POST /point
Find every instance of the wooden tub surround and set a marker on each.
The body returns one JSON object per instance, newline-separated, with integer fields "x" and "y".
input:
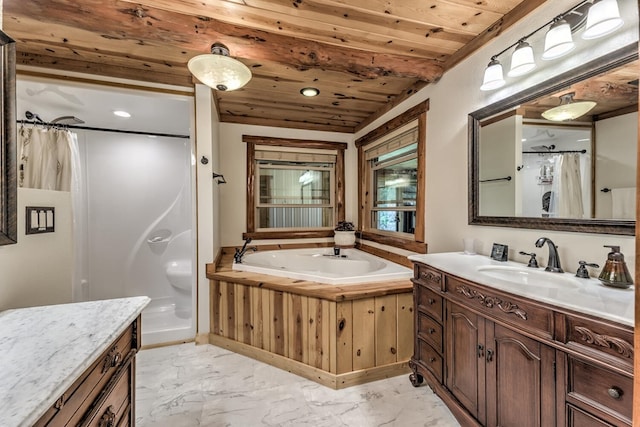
{"x": 338, "y": 336}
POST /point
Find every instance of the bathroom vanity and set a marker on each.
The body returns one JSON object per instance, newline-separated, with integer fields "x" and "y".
{"x": 70, "y": 364}
{"x": 505, "y": 345}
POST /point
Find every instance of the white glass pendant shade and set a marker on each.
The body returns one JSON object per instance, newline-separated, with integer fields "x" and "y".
{"x": 603, "y": 18}
{"x": 218, "y": 70}
{"x": 568, "y": 109}
{"x": 493, "y": 77}
{"x": 522, "y": 60}
{"x": 558, "y": 40}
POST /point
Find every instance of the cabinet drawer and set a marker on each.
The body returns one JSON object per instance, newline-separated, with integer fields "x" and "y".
{"x": 72, "y": 406}
{"x": 576, "y": 417}
{"x": 501, "y": 306}
{"x": 591, "y": 386}
{"x": 601, "y": 340}
{"x": 429, "y": 302}
{"x": 430, "y": 331}
{"x": 430, "y": 358}
{"x": 113, "y": 405}
{"x": 428, "y": 276}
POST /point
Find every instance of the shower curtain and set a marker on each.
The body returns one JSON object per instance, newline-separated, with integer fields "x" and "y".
{"x": 47, "y": 157}
{"x": 566, "y": 192}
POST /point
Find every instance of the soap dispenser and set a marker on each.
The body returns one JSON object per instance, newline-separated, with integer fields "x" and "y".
{"x": 615, "y": 272}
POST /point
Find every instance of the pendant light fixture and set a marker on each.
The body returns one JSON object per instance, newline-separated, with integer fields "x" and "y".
{"x": 568, "y": 109}
{"x": 218, "y": 70}
{"x": 558, "y": 41}
{"x": 603, "y": 18}
{"x": 493, "y": 76}
{"x": 522, "y": 60}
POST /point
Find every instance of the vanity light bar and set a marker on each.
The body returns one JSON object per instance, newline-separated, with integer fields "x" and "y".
{"x": 603, "y": 18}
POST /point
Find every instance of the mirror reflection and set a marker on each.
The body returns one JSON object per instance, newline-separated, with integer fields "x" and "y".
{"x": 570, "y": 154}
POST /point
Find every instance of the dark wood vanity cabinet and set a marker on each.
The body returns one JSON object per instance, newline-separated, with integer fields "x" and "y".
{"x": 497, "y": 359}
{"x": 499, "y": 376}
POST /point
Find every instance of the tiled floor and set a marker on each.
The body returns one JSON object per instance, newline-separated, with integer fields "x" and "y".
{"x": 189, "y": 385}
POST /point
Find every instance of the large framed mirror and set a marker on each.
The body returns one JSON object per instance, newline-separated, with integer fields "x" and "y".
{"x": 571, "y": 168}
{"x": 8, "y": 156}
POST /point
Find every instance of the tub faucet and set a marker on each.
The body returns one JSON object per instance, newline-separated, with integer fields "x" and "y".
{"x": 553, "y": 265}
{"x": 237, "y": 257}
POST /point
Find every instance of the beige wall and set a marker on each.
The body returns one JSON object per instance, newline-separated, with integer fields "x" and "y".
{"x": 452, "y": 99}
{"x": 37, "y": 270}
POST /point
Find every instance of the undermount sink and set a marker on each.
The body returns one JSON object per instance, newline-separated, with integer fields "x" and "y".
{"x": 529, "y": 276}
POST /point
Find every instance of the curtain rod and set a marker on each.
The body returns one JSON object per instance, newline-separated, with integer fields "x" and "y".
{"x": 134, "y": 132}
{"x": 555, "y": 152}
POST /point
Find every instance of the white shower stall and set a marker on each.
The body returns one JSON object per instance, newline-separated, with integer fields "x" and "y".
{"x": 135, "y": 234}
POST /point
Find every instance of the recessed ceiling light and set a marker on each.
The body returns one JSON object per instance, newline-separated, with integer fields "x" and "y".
{"x": 121, "y": 113}
{"x": 309, "y": 91}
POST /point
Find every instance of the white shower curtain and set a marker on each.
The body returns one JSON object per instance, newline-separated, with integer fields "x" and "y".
{"x": 46, "y": 158}
{"x": 566, "y": 191}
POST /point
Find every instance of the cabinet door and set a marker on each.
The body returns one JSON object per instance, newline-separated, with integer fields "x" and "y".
{"x": 520, "y": 376}
{"x": 465, "y": 358}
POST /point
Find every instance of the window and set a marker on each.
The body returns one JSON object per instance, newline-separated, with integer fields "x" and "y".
{"x": 391, "y": 192}
{"x": 293, "y": 191}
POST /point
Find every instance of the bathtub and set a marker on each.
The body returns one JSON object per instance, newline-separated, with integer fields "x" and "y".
{"x": 320, "y": 265}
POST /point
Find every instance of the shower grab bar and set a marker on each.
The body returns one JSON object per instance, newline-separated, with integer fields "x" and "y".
{"x": 158, "y": 239}
{"x": 506, "y": 178}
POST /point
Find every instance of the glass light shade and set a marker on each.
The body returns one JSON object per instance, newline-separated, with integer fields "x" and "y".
{"x": 219, "y": 71}
{"x": 493, "y": 77}
{"x": 568, "y": 109}
{"x": 309, "y": 91}
{"x": 603, "y": 18}
{"x": 522, "y": 60}
{"x": 558, "y": 40}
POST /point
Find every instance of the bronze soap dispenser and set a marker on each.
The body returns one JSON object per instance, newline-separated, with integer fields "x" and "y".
{"x": 615, "y": 272}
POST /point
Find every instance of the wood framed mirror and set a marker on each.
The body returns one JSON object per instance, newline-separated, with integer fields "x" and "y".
{"x": 8, "y": 155}
{"x": 527, "y": 171}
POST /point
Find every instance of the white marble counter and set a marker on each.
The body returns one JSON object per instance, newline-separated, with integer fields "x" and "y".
{"x": 43, "y": 350}
{"x": 587, "y": 296}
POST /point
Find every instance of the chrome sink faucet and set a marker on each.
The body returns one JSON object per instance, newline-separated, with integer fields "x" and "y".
{"x": 553, "y": 265}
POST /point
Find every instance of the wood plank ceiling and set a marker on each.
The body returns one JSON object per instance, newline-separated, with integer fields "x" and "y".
{"x": 364, "y": 56}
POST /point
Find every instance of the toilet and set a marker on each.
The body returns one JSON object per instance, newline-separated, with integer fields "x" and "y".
{"x": 179, "y": 275}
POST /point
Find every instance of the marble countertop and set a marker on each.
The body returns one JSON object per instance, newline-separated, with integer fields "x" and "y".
{"x": 43, "y": 350}
{"x": 587, "y": 296}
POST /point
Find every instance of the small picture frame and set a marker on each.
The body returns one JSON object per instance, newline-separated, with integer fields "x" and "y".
{"x": 499, "y": 252}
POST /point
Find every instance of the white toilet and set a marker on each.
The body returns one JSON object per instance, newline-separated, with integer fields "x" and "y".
{"x": 179, "y": 275}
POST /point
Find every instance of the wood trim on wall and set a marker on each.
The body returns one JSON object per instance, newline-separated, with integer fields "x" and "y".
{"x": 294, "y": 143}
{"x": 419, "y": 231}
{"x": 252, "y": 141}
{"x": 416, "y": 244}
{"x": 393, "y": 124}
{"x": 396, "y": 242}
{"x": 251, "y": 197}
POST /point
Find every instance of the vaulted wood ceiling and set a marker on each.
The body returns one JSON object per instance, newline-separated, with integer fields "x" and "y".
{"x": 365, "y": 56}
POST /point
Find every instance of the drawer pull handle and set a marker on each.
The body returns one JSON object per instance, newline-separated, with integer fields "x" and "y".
{"x": 615, "y": 392}
{"x": 432, "y": 359}
{"x": 108, "y": 419}
{"x": 432, "y": 331}
{"x": 111, "y": 360}
{"x": 431, "y": 301}
{"x": 480, "y": 351}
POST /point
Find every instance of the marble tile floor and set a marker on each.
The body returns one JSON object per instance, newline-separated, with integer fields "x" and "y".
{"x": 187, "y": 385}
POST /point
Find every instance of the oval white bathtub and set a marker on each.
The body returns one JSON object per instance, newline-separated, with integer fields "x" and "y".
{"x": 320, "y": 265}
